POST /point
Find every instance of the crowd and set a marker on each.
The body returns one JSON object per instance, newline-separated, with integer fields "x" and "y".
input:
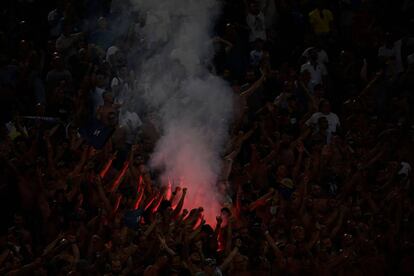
{"x": 317, "y": 171}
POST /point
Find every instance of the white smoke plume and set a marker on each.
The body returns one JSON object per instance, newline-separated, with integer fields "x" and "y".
{"x": 194, "y": 106}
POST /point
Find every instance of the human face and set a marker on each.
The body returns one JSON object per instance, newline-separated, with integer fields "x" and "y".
{"x": 101, "y": 80}
{"x": 195, "y": 258}
{"x": 281, "y": 171}
{"x": 254, "y": 8}
{"x": 108, "y": 98}
{"x": 326, "y": 108}
{"x": 326, "y": 244}
{"x": 298, "y": 233}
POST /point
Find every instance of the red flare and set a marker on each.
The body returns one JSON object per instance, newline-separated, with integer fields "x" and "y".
{"x": 220, "y": 244}
{"x": 139, "y": 183}
{"x": 155, "y": 209}
{"x": 106, "y": 168}
{"x": 117, "y": 203}
{"x": 119, "y": 178}
{"x": 168, "y": 192}
{"x": 140, "y": 195}
{"x": 195, "y": 198}
{"x": 149, "y": 204}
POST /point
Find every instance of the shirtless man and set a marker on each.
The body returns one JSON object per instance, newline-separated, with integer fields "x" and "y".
{"x": 108, "y": 112}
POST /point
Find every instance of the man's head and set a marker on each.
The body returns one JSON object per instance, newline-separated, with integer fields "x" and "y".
{"x": 313, "y": 58}
{"x": 325, "y": 107}
{"x": 288, "y": 86}
{"x": 388, "y": 38}
{"x": 57, "y": 62}
{"x": 108, "y": 98}
{"x": 254, "y": 7}
{"x": 123, "y": 71}
{"x": 116, "y": 266}
{"x": 101, "y": 79}
{"x": 67, "y": 28}
{"x": 210, "y": 265}
{"x": 326, "y": 244}
{"x": 281, "y": 171}
{"x": 292, "y": 102}
{"x": 225, "y": 212}
{"x": 102, "y": 23}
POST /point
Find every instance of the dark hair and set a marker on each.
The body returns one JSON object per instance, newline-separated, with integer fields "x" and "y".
{"x": 322, "y": 102}
{"x": 226, "y": 210}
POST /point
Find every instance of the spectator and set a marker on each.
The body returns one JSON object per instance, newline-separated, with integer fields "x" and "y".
{"x": 58, "y": 73}
{"x": 332, "y": 118}
{"x": 316, "y": 71}
{"x": 256, "y": 22}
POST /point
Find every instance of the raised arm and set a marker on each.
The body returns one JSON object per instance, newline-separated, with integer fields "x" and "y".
{"x": 102, "y": 195}
{"x": 296, "y": 169}
{"x": 262, "y": 200}
{"x": 273, "y": 244}
{"x": 229, "y": 259}
{"x": 120, "y": 177}
{"x": 255, "y": 86}
{"x": 180, "y": 204}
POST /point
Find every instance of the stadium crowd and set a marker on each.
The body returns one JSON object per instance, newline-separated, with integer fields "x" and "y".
{"x": 316, "y": 174}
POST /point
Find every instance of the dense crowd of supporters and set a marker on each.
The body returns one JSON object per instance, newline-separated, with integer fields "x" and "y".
{"x": 316, "y": 174}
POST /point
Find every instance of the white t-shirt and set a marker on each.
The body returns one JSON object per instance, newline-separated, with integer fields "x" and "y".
{"x": 270, "y": 12}
{"x": 257, "y": 28}
{"x": 333, "y": 123}
{"x": 116, "y": 82}
{"x": 316, "y": 74}
{"x": 123, "y": 89}
{"x": 110, "y": 52}
{"x": 322, "y": 55}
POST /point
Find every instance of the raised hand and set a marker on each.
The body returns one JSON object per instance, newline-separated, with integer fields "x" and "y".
{"x": 219, "y": 220}
{"x": 300, "y": 147}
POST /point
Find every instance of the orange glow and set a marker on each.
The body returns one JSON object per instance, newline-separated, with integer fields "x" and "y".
{"x": 168, "y": 192}
{"x": 196, "y": 198}
{"x": 198, "y": 222}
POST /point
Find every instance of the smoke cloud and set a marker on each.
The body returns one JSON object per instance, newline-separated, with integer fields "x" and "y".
{"x": 193, "y": 106}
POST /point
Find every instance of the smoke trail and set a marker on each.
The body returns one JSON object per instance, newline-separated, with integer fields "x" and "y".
{"x": 193, "y": 105}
